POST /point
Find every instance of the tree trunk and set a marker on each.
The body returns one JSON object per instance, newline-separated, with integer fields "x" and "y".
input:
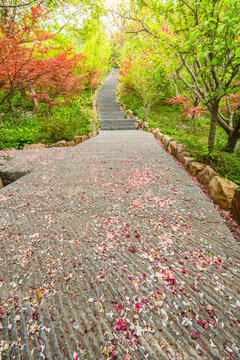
{"x": 23, "y": 93}
{"x": 175, "y": 86}
{"x": 212, "y": 133}
{"x": 10, "y": 110}
{"x": 233, "y": 137}
{"x": 194, "y": 115}
{"x": 35, "y": 99}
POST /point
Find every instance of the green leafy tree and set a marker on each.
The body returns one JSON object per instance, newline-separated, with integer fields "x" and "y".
{"x": 144, "y": 74}
{"x": 201, "y": 43}
{"x": 95, "y": 43}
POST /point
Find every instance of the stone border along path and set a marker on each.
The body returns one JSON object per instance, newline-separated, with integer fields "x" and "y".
{"x": 109, "y": 250}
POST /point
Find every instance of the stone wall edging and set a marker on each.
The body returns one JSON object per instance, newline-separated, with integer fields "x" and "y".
{"x": 223, "y": 192}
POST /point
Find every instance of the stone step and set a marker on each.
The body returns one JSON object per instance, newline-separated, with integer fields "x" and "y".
{"x": 118, "y": 124}
{"x": 114, "y": 115}
{"x": 106, "y": 97}
{"x": 122, "y": 121}
{"x": 118, "y": 128}
{"x": 109, "y": 107}
{"x": 111, "y": 117}
{"x": 110, "y": 91}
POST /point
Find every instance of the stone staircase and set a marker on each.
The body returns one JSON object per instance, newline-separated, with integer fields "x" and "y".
{"x": 111, "y": 117}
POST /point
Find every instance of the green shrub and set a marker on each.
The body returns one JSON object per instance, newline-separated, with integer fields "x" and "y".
{"x": 66, "y": 122}
{"x": 17, "y": 136}
{"x": 22, "y": 102}
{"x": 28, "y": 127}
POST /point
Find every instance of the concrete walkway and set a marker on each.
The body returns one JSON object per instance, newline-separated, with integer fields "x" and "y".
{"x": 110, "y": 251}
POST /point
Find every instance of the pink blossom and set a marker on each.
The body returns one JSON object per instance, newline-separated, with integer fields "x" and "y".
{"x": 139, "y": 305}
{"x": 121, "y": 325}
{"x": 128, "y": 357}
{"x": 195, "y": 335}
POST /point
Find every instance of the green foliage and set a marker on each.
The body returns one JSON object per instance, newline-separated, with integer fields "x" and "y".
{"x": 92, "y": 39}
{"x": 171, "y": 132}
{"x": 31, "y": 127}
{"x": 66, "y": 122}
{"x": 17, "y": 136}
{"x": 143, "y": 74}
{"x": 197, "y": 43}
{"x": 227, "y": 165}
{"x": 73, "y": 42}
{"x": 132, "y": 102}
{"x": 22, "y": 103}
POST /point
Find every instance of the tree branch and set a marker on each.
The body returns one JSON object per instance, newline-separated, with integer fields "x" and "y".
{"x": 17, "y": 6}
{"x": 193, "y": 10}
{"x": 201, "y": 91}
{"x": 222, "y": 122}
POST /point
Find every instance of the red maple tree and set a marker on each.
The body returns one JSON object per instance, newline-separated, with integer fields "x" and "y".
{"x": 27, "y": 62}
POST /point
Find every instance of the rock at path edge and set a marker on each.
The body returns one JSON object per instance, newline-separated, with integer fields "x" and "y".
{"x": 222, "y": 191}
{"x": 195, "y": 167}
{"x": 235, "y": 209}
{"x": 34, "y": 146}
{"x": 205, "y": 176}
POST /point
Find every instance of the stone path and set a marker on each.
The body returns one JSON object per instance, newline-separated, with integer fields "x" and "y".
{"x": 112, "y": 118}
{"x": 109, "y": 250}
